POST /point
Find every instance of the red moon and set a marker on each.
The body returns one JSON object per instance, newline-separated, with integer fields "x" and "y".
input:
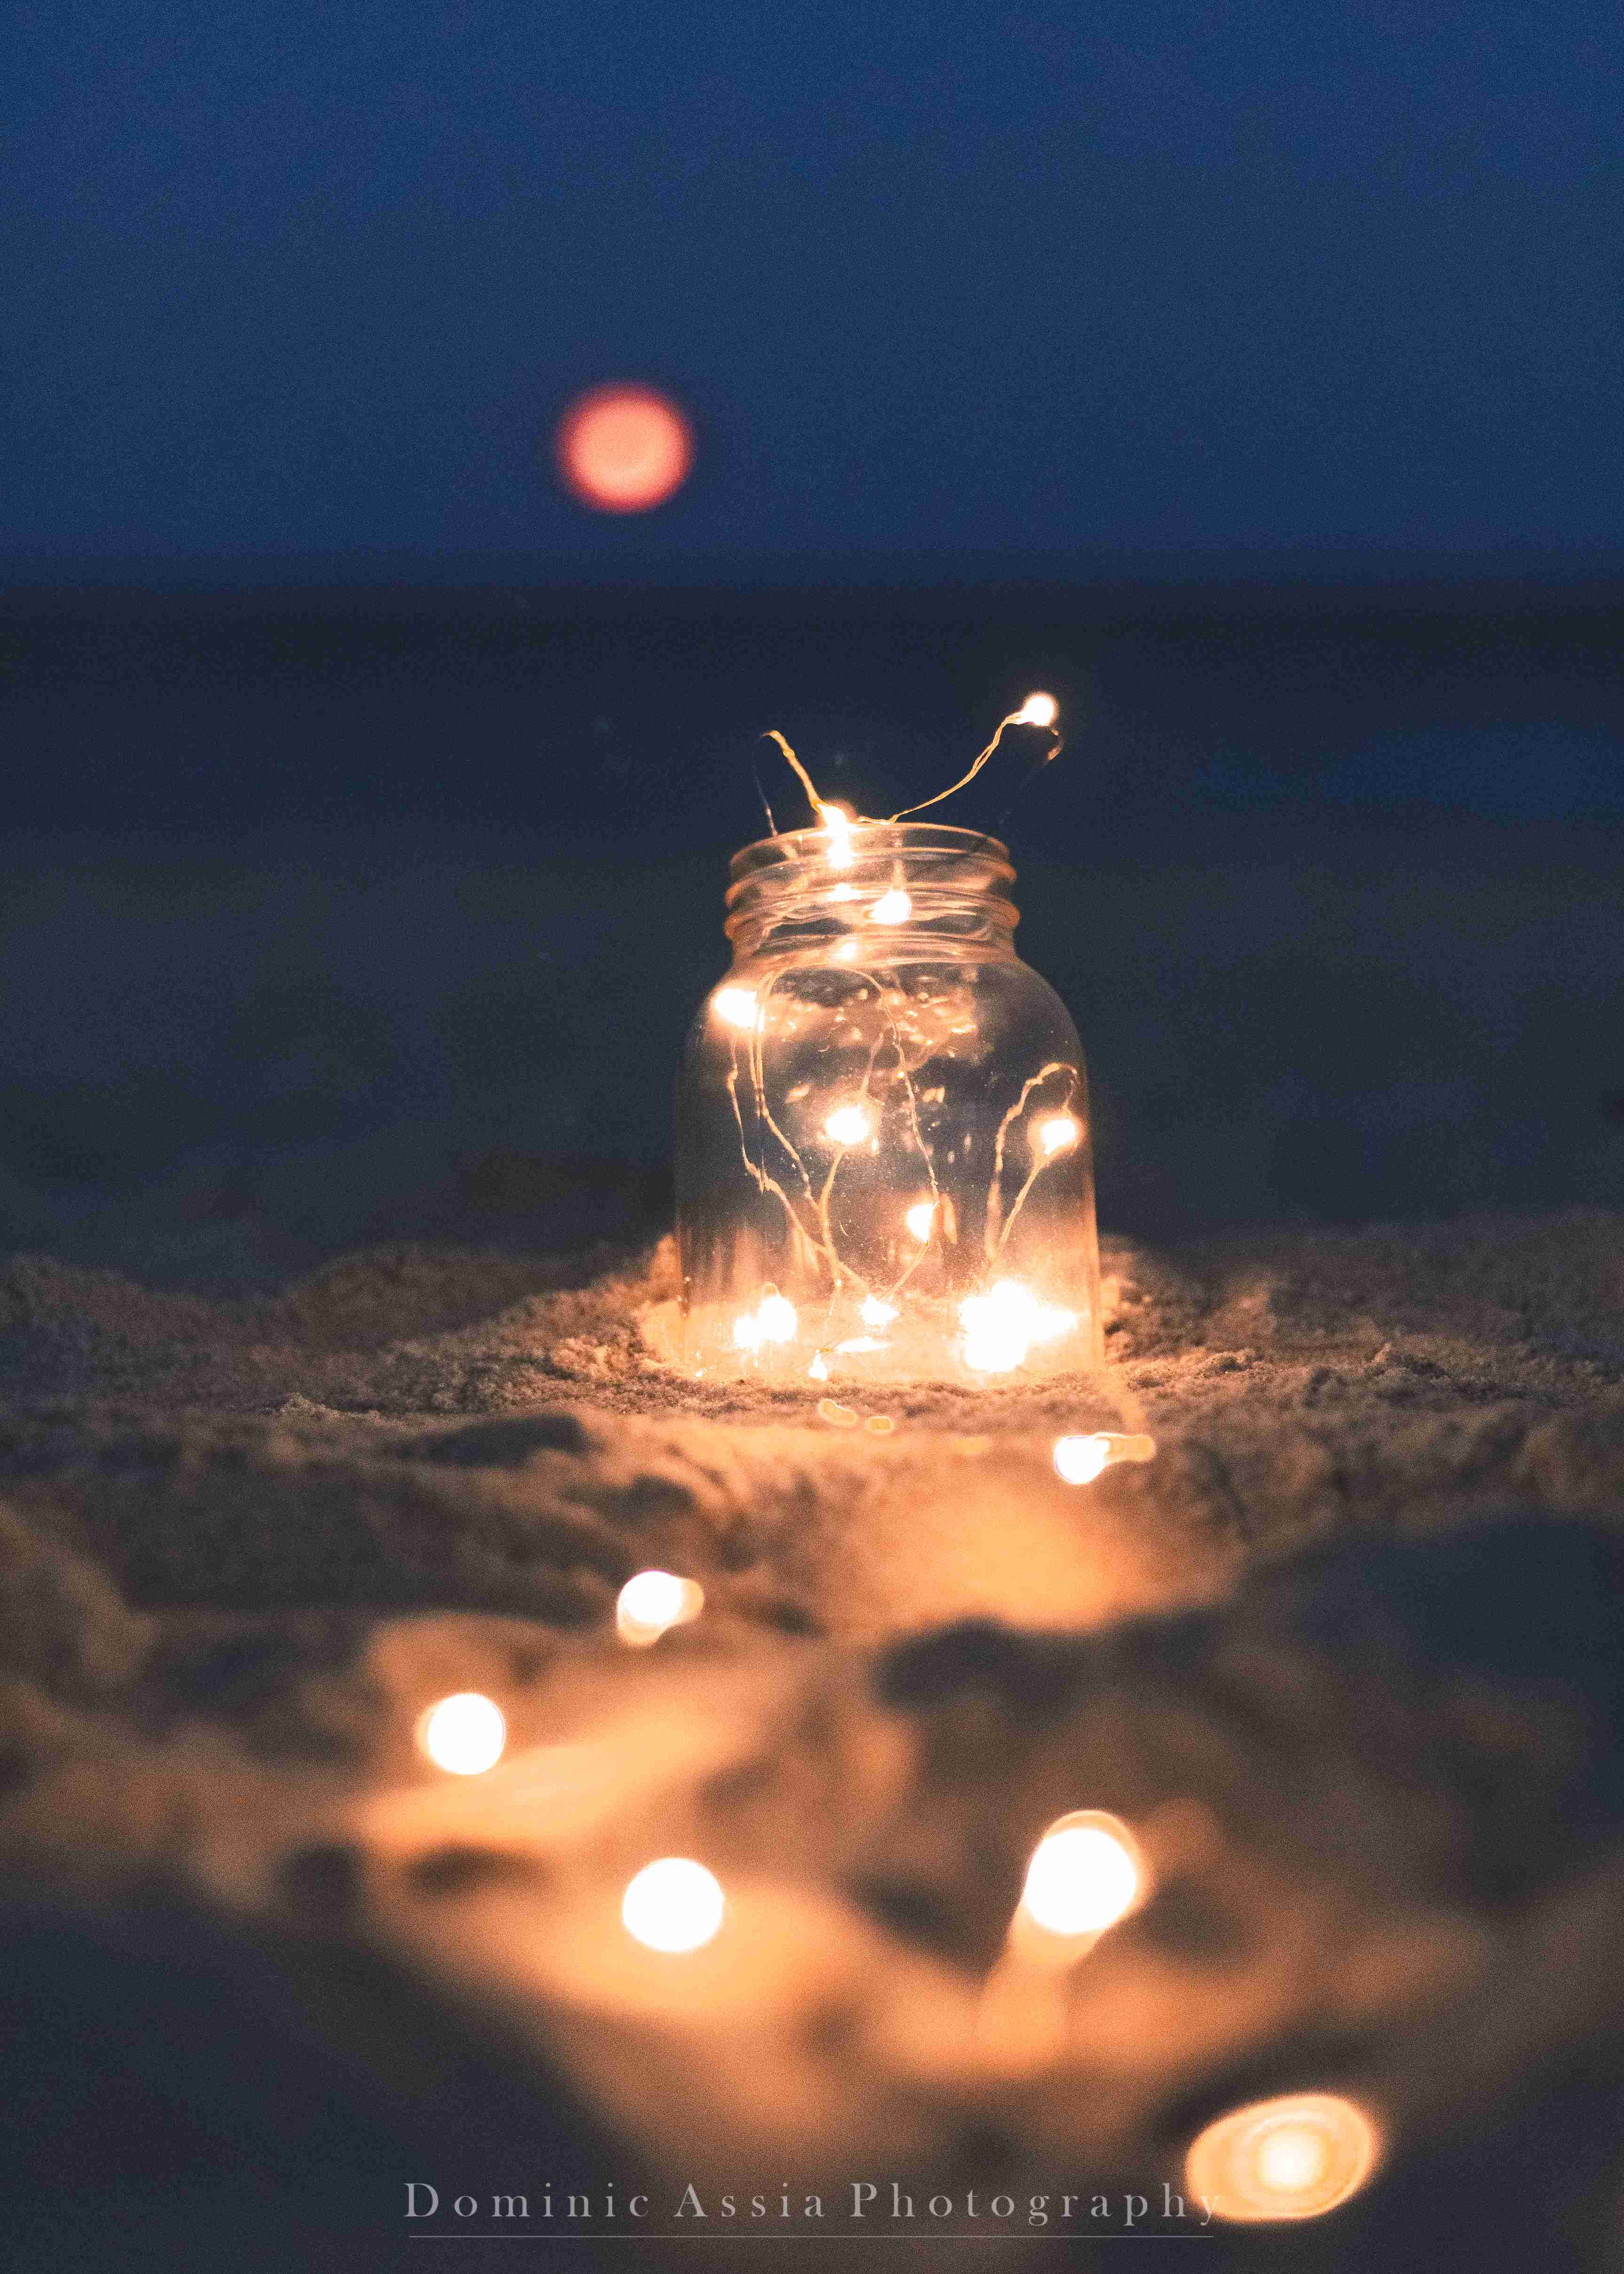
{"x": 623, "y": 448}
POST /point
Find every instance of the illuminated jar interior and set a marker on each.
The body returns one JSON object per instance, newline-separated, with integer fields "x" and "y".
{"x": 884, "y": 1169}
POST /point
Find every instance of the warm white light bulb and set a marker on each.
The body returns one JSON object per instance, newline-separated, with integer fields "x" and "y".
{"x": 920, "y": 1218}
{"x": 893, "y": 908}
{"x": 1037, "y": 711}
{"x": 818, "y": 1370}
{"x": 651, "y": 1603}
{"x": 1001, "y": 1325}
{"x": 747, "y": 1332}
{"x": 674, "y": 1905}
{"x": 838, "y": 821}
{"x": 848, "y": 1124}
{"x": 876, "y": 1312}
{"x": 997, "y": 1328}
{"x": 776, "y": 1318}
{"x": 1294, "y": 2158}
{"x": 1055, "y": 1133}
{"x": 1080, "y": 1460}
{"x": 1083, "y": 1876}
{"x": 735, "y": 1006}
{"x": 464, "y": 1735}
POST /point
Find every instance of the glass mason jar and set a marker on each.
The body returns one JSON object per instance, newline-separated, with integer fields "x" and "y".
{"x": 883, "y": 1167}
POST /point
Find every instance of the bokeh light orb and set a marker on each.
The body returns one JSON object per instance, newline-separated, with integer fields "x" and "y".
{"x": 623, "y": 448}
{"x": 1294, "y": 2158}
{"x": 652, "y": 1603}
{"x": 1080, "y": 1460}
{"x": 1086, "y": 1873}
{"x": 674, "y": 1905}
{"x": 464, "y": 1735}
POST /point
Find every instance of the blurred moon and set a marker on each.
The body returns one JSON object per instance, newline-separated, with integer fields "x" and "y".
{"x": 623, "y": 448}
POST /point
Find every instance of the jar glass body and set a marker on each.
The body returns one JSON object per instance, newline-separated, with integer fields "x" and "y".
{"x": 883, "y": 1166}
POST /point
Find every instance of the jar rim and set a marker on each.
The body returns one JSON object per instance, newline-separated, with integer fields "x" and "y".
{"x": 869, "y": 840}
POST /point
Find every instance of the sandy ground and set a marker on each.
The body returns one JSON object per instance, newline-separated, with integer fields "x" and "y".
{"x": 1345, "y": 1655}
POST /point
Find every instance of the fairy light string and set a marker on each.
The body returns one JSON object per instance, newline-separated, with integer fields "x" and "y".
{"x": 999, "y": 1324}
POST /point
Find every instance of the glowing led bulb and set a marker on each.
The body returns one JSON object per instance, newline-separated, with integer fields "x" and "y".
{"x": 893, "y": 908}
{"x": 843, "y": 892}
{"x": 920, "y": 1218}
{"x": 838, "y": 821}
{"x": 876, "y": 1312}
{"x": 774, "y": 1320}
{"x": 1000, "y": 1326}
{"x": 1294, "y": 2158}
{"x": 1057, "y": 1132}
{"x": 1084, "y": 1875}
{"x": 735, "y": 1006}
{"x": 1080, "y": 1460}
{"x": 651, "y": 1604}
{"x": 848, "y": 1124}
{"x": 1037, "y": 711}
{"x": 818, "y": 1370}
{"x": 674, "y": 1905}
{"x": 776, "y": 1317}
{"x": 464, "y": 1735}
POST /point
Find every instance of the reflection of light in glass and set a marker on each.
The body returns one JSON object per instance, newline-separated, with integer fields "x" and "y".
{"x": 1085, "y": 1874}
{"x": 622, "y": 449}
{"x": 1000, "y": 1326}
{"x": 856, "y": 1343}
{"x": 848, "y": 1124}
{"x": 747, "y": 1331}
{"x": 819, "y": 1367}
{"x": 1037, "y": 711}
{"x": 1080, "y": 1460}
{"x": 1057, "y": 1132}
{"x": 673, "y": 1905}
{"x": 736, "y": 1005}
{"x": 893, "y": 908}
{"x": 651, "y": 1604}
{"x": 876, "y": 1312}
{"x": 843, "y": 892}
{"x": 464, "y": 1734}
{"x": 1294, "y": 2158}
{"x": 920, "y": 1218}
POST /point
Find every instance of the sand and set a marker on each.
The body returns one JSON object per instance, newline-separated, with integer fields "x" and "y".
{"x": 1344, "y": 1654}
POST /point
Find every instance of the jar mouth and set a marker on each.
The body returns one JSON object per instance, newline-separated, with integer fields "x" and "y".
{"x": 887, "y": 879}
{"x": 929, "y": 842}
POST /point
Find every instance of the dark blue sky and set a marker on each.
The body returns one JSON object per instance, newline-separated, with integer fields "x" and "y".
{"x": 935, "y": 280}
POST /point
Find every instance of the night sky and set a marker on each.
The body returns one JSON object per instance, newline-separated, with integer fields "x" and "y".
{"x": 936, "y": 282}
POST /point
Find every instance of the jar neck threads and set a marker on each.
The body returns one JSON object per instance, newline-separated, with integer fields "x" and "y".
{"x": 871, "y": 884}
